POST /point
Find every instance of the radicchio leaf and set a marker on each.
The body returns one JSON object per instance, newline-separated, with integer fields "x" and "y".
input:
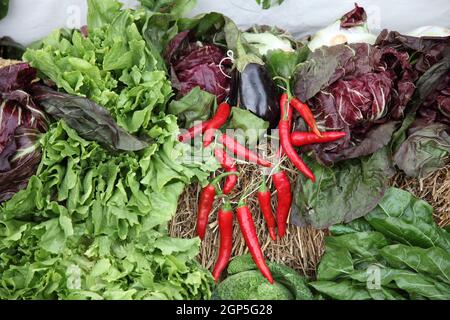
{"x": 195, "y": 64}
{"x": 424, "y": 51}
{"x": 17, "y": 110}
{"x": 21, "y": 123}
{"x": 24, "y": 163}
{"x": 356, "y": 17}
{"x": 355, "y": 88}
{"x": 16, "y": 76}
{"x": 436, "y": 108}
{"x": 433, "y": 104}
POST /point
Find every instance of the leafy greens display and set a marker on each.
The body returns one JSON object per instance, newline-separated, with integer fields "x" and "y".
{"x": 421, "y": 145}
{"x": 395, "y": 252}
{"x": 92, "y": 224}
{"x": 113, "y": 67}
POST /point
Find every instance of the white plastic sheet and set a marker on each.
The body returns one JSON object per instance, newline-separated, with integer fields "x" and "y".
{"x": 30, "y": 20}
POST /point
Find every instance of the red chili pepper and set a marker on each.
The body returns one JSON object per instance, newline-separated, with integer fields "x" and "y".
{"x": 285, "y": 108}
{"x": 285, "y": 139}
{"x": 251, "y": 239}
{"x": 299, "y": 139}
{"x": 206, "y": 202}
{"x": 284, "y": 194}
{"x": 241, "y": 151}
{"x": 219, "y": 119}
{"x": 225, "y": 217}
{"x": 306, "y": 114}
{"x": 229, "y": 165}
{"x": 285, "y": 111}
{"x": 266, "y": 209}
{"x": 191, "y": 133}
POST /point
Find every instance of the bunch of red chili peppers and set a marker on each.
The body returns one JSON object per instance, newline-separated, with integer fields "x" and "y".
{"x": 280, "y": 180}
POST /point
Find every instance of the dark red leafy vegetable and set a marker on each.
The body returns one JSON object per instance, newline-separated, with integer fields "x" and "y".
{"x": 22, "y": 166}
{"x": 193, "y": 64}
{"x": 426, "y": 52}
{"x": 21, "y": 122}
{"x": 16, "y": 77}
{"x": 90, "y": 120}
{"x": 436, "y": 108}
{"x": 356, "y": 17}
{"x": 355, "y": 88}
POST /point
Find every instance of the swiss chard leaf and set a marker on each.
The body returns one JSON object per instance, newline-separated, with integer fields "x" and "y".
{"x": 433, "y": 261}
{"x": 407, "y": 220}
{"x": 398, "y": 261}
{"x": 342, "y": 193}
{"x": 414, "y": 284}
{"x": 335, "y": 263}
{"x": 364, "y": 245}
{"x": 251, "y": 126}
{"x": 283, "y": 64}
{"x": 343, "y": 290}
{"x": 91, "y": 121}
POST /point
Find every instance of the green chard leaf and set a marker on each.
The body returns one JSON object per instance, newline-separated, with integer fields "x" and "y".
{"x": 405, "y": 258}
{"x": 407, "y": 220}
{"x": 246, "y": 124}
{"x": 434, "y": 261}
{"x": 342, "y": 193}
{"x": 343, "y": 290}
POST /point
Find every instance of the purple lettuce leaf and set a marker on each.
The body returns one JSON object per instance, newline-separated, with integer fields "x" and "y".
{"x": 21, "y": 123}
{"x": 355, "y": 88}
{"x": 24, "y": 162}
{"x": 424, "y": 51}
{"x": 356, "y": 17}
{"x": 195, "y": 64}
{"x": 16, "y": 76}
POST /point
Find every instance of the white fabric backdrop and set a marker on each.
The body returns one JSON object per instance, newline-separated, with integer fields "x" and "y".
{"x": 30, "y": 20}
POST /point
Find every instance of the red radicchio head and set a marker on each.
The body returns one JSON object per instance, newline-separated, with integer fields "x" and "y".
{"x": 193, "y": 64}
